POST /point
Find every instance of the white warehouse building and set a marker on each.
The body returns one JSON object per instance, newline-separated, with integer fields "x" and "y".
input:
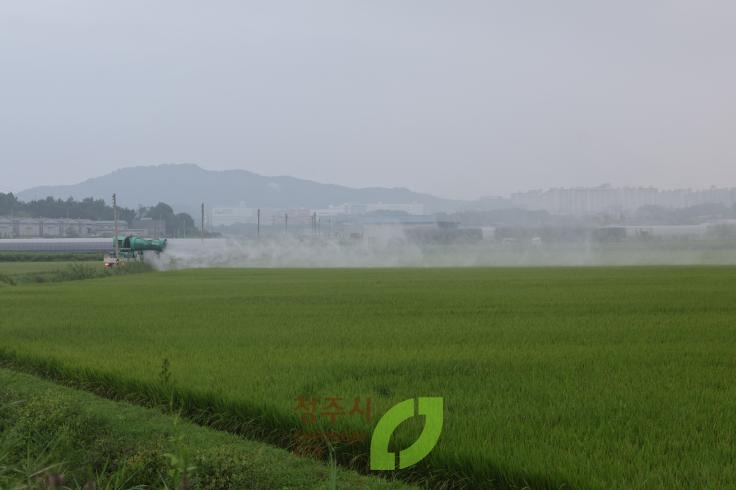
{"x": 49, "y": 227}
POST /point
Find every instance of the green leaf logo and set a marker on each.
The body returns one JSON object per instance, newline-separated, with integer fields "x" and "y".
{"x": 381, "y": 458}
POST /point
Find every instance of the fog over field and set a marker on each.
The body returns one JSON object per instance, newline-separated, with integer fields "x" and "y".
{"x": 395, "y": 250}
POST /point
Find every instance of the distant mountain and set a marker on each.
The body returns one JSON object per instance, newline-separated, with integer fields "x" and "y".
{"x": 185, "y": 186}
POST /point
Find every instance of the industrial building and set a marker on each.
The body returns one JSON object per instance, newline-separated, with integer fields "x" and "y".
{"x": 49, "y": 228}
{"x": 243, "y": 215}
{"x": 68, "y": 245}
{"x": 414, "y": 208}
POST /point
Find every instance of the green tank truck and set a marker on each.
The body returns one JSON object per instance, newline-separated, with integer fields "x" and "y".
{"x": 131, "y": 247}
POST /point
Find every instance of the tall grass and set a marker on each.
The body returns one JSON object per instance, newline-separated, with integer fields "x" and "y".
{"x": 75, "y": 271}
{"x": 52, "y": 438}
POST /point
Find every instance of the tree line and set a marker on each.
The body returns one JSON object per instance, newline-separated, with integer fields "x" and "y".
{"x": 177, "y": 224}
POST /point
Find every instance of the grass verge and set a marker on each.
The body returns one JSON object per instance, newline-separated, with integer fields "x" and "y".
{"x": 52, "y": 436}
{"x": 41, "y": 272}
{"x": 50, "y": 256}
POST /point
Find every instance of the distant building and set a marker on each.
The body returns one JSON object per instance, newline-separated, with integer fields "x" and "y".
{"x": 26, "y": 228}
{"x": 6, "y": 228}
{"x": 52, "y": 228}
{"x": 340, "y": 210}
{"x": 226, "y": 216}
{"x": 299, "y": 216}
{"x": 57, "y": 228}
{"x": 394, "y": 225}
{"x": 243, "y": 215}
{"x": 413, "y": 208}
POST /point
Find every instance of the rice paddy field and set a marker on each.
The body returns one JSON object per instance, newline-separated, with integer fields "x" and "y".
{"x": 599, "y": 377}
{"x": 16, "y": 268}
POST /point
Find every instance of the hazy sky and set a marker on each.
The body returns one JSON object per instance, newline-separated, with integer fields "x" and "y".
{"x": 457, "y": 98}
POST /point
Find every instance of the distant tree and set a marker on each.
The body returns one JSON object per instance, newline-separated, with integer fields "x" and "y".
{"x": 160, "y": 211}
{"x": 700, "y": 212}
{"x": 165, "y": 213}
{"x": 126, "y": 214}
{"x": 180, "y": 224}
{"x": 185, "y": 225}
{"x": 87, "y": 208}
{"x": 8, "y": 204}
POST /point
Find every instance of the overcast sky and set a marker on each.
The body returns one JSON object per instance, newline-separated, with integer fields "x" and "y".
{"x": 457, "y": 98}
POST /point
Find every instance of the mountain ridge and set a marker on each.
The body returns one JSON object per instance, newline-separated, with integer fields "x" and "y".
{"x": 185, "y": 185}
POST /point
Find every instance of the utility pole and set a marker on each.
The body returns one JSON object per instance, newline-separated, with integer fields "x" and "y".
{"x": 202, "y": 229}
{"x": 115, "y": 218}
{"x": 286, "y": 223}
{"x": 258, "y": 221}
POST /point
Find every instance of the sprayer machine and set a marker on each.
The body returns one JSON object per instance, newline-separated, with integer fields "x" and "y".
{"x": 131, "y": 248}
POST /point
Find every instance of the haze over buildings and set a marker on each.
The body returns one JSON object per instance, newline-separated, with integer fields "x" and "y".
{"x": 626, "y": 200}
{"x": 235, "y": 196}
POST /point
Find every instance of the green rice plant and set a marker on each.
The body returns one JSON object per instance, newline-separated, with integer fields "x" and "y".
{"x": 7, "y": 279}
{"x": 79, "y": 271}
{"x": 552, "y": 377}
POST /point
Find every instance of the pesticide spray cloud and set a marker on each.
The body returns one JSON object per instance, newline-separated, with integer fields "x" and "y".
{"x": 393, "y": 249}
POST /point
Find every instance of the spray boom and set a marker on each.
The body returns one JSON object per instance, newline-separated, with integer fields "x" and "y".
{"x": 137, "y": 244}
